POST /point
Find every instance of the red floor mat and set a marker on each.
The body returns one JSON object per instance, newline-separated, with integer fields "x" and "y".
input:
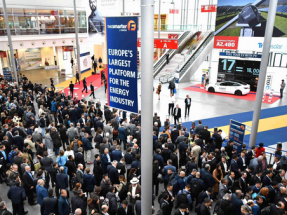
{"x": 96, "y": 79}
{"x": 250, "y": 97}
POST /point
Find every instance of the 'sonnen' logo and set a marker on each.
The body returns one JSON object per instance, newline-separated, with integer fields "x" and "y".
{"x": 132, "y": 25}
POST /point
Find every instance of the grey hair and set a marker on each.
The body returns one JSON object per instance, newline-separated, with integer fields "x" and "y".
{"x": 194, "y": 170}
{"x": 78, "y": 211}
{"x": 260, "y": 158}
{"x": 245, "y": 209}
{"x": 40, "y": 181}
{"x": 115, "y": 162}
{"x": 2, "y": 204}
{"x": 226, "y": 196}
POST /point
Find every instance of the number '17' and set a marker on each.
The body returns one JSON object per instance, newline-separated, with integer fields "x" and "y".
{"x": 225, "y": 64}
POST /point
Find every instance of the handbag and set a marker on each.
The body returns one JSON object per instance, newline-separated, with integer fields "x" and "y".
{"x": 160, "y": 178}
{"x": 37, "y": 166}
{"x": 157, "y": 92}
{"x": 115, "y": 132}
{"x": 174, "y": 91}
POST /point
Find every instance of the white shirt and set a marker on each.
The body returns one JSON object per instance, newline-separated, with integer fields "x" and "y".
{"x": 225, "y": 166}
{"x": 275, "y": 165}
{"x": 84, "y": 120}
{"x": 134, "y": 191}
{"x": 182, "y": 212}
{"x": 171, "y": 100}
{"x": 243, "y": 161}
{"x": 67, "y": 153}
{"x": 109, "y": 158}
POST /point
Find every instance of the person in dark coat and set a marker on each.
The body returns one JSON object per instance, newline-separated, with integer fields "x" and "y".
{"x": 123, "y": 135}
{"x": 29, "y": 184}
{"x": 106, "y": 160}
{"x": 63, "y": 204}
{"x": 174, "y": 158}
{"x": 18, "y": 141}
{"x": 79, "y": 201}
{"x": 236, "y": 201}
{"x": 71, "y": 86}
{"x": 98, "y": 170}
{"x": 117, "y": 154}
{"x": 50, "y": 204}
{"x": 62, "y": 179}
{"x": 218, "y": 139}
{"x": 79, "y": 157}
{"x": 47, "y": 162}
{"x": 205, "y": 207}
{"x": 71, "y": 168}
{"x": 113, "y": 173}
{"x": 89, "y": 181}
{"x": 63, "y": 134}
{"x": 17, "y": 195}
{"x": 234, "y": 166}
{"x": 125, "y": 209}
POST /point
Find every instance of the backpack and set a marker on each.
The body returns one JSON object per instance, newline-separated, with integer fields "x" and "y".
{"x": 195, "y": 187}
{"x": 74, "y": 181}
{"x": 124, "y": 192}
{"x": 75, "y": 146}
{"x": 182, "y": 198}
{"x": 11, "y": 156}
{"x": 160, "y": 196}
{"x": 164, "y": 137}
{"x": 218, "y": 210}
{"x": 265, "y": 211}
{"x": 254, "y": 195}
{"x": 174, "y": 181}
{"x": 198, "y": 198}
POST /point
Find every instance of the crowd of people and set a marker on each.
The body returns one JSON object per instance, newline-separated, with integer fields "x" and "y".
{"x": 80, "y": 157}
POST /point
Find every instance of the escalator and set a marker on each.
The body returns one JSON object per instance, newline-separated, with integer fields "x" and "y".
{"x": 183, "y": 40}
{"x": 193, "y": 58}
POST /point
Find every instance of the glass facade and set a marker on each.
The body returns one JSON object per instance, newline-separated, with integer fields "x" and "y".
{"x": 42, "y": 21}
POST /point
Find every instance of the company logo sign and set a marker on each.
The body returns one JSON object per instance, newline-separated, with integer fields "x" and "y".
{"x": 272, "y": 46}
{"x": 132, "y": 26}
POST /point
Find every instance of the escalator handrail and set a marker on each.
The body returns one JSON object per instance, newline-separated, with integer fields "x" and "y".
{"x": 187, "y": 56}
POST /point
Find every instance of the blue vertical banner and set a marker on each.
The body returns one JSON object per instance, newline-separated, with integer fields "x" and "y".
{"x": 7, "y": 75}
{"x": 237, "y": 134}
{"x": 121, "y": 38}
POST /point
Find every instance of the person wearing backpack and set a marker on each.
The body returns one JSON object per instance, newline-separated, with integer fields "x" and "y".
{"x": 224, "y": 206}
{"x": 164, "y": 206}
{"x": 76, "y": 144}
{"x": 196, "y": 186}
{"x": 184, "y": 197}
{"x": 171, "y": 86}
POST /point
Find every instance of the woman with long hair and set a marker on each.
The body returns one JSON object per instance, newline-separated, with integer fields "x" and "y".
{"x": 259, "y": 150}
{"x": 217, "y": 175}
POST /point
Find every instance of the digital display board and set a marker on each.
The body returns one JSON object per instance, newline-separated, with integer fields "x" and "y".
{"x": 239, "y": 70}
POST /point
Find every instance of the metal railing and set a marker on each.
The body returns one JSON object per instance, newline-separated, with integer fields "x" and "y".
{"x": 184, "y": 27}
{"x": 189, "y": 57}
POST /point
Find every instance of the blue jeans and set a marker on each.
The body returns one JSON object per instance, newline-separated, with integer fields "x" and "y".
{"x": 43, "y": 131}
{"x": 57, "y": 151}
{"x": 281, "y": 93}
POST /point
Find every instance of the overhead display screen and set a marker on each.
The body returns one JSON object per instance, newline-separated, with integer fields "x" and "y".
{"x": 239, "y": 70}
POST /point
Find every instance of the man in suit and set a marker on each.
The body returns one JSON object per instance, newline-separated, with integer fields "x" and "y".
{"x": 41, "y": 192}
{"x": 136, "y": 195}
{"x": 50, "y": 204}
{"x": 256, "y": 164}
{"x": 79, "y": 157}
{"x": 234, "y": 166}
{"x": 125, "y": 209}
{"x": 241, "y": 162}
{"x": 18, "y": 141}
{"x": 85, "y": 85}
{"x": 174, "y": 158}
{"x": 71, "y": 169}
{"x": 117, "y": 154}
{"x": 17, "y": 195}
{"x": 62, "y": 179}
{"x": 47, "y": 162}
{"x": 113, "y": 172}
{"x": 63, "y": 204}
{"x": 242, "y": 182}
{"x": 206, "y": 176}
{"x": 218, "y": 139}
{"x": 187, "y": 102}
{"x": 205, "y": 207}
{"x": 205, "y": 134}
{"x": 78, "y": 202}
{"x": 251, "y": 154}
{"x": 222, "y": 190}
{"x": 121, "y": 166}
{"x": 107, "y": 113}
{"x": 183, "y": 210}
{"x": 199, "y": 127}
{"x": 106, "y": 160}
{"x": 236, "y": 201}
{"x": 267, "y": 179}
{"x": 277, "y": 165}
{"x": 71, "y": 86}
{"x": 174, "y": 134}
{"x": 176, "y": 114}
{"x": 230, "y": 181}
{"x": 28, "y": 181}
{"x": 92, "y": 88}
{"x": 279, "y": 176}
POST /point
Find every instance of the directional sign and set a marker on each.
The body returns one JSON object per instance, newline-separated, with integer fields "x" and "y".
{"x": 173, "y": 36}
{"x": 163, "y": 43}
{"x": 208, "y": 8}
{"x": 173, "y": 11}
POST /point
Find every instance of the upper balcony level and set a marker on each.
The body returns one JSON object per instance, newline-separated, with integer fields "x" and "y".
{"x": 42, "y": 21}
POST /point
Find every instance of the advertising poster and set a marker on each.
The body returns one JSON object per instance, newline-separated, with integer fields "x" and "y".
{"x": 85, "y": 62}
{"x": 29, "y": 58}
{"x": 7, "y": 75}
{"x": 97, "y": 11}
{"x": 237, "y": 134}
{"x": 121, "y": 36}
{"x": 247, "y": 18}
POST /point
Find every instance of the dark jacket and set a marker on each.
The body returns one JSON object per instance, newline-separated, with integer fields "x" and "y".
{"x": 112, "y": 202}
{"x": 122, "y": 211}
{"x": 204, "y": 210}
{"x": 86, "y": 144}
{"x": 50, "y": 205}
{"x": 113, "y": 174}
{"x": 18, "y": 141}
{"x": 116, "y": 155}
{"x": 89, "y": 182}
{"x": 78, "y": 202}
{"x": 16, "y": 194}
{"x": 79, "y": 158}
{"x": 28, "y": 181}
{"x": 47, "y": 163}
{"x": 237, "y": 203}
{"x": 63, "y": 206}
{"x": 71, "y": 167}
{"x": 62, "y": 181}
